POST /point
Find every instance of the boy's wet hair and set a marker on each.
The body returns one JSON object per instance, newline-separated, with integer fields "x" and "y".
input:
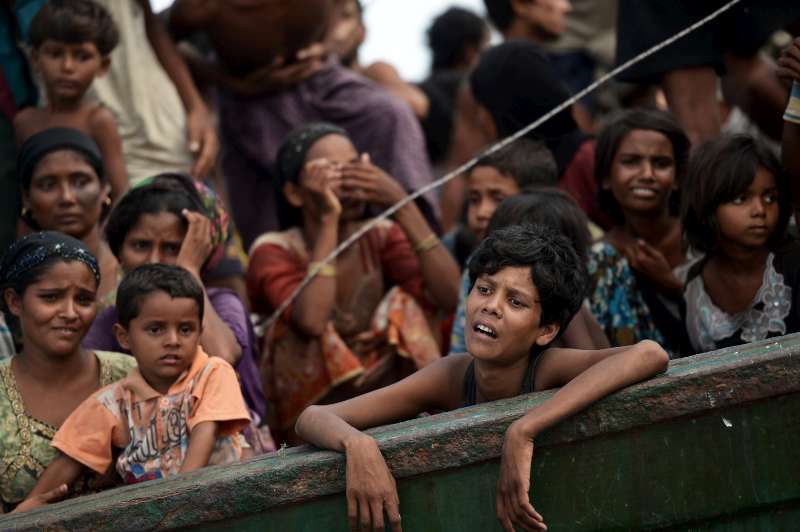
{"x": 500, "y": 13}
{"x": 548, "y": 207}
{"x": 75, "y": 22}
{"x": 721, "y": 170}
{"x": 451, "y": 33}
{"x": 150, "y": 278}
{"x": 614, "y": 132}
{"x": 528, "y": 162}
{"x": 559, "y": 275}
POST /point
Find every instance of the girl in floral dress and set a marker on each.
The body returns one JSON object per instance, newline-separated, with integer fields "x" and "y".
{"x": 736, "y": 208}
{"x": 640, "y": 161}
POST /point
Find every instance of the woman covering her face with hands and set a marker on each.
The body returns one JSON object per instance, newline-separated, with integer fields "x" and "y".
{"x": 365, "y": 319}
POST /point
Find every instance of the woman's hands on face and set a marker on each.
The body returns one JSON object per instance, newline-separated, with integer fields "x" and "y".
{"x": 363, "y": 181}
{"x": 512, "y": 498}
{"x": 371, "y": 488}
{"x": 196, "y": 245}
{"x": 323, "y": 180}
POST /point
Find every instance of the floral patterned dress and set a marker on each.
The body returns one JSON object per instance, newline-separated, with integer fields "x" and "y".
{"x": 25, "y": 450}
{"x": 772, "y": 312}
{"x": 628, "y": 309}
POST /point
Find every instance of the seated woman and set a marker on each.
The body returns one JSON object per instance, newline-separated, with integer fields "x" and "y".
{"x": 172, "y": 219}
{"x": 64, "y": 188}
{"x": 641, "y": 159}
{"x": 526, "y": 285}
{"x": 360, "y": 323}
{"x": 49, "y": 283}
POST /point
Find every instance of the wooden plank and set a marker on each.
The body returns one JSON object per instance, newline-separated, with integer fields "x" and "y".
{"x": 718, "y": 435}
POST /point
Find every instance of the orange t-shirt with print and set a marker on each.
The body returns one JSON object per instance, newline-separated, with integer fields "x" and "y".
{"x": 152, "y": 429}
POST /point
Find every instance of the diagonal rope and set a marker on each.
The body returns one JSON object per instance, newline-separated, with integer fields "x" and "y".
{"x": 495, "y": 148}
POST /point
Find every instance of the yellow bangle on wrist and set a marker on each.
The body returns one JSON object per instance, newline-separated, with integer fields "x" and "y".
{"x": 319, "y": 269}
{"x": 428, "y": 244}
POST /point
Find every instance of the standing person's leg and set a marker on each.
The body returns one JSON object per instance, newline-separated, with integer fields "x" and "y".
{"x": 10, "y": 202}
{"x": 692, "y": 97}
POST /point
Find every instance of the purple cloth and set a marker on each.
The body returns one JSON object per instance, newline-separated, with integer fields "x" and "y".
{"x": 231, "y": 311}
{"x": 254, "y": 128}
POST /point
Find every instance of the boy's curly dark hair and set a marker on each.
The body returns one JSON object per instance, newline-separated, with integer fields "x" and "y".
{"x": 557, "y": 272}
{"x": 74, "y": 22}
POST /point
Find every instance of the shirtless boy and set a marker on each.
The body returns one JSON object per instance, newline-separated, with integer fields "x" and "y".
{"x": 71, "y": 41}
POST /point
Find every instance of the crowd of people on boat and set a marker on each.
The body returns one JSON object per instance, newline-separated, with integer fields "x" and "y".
{"x": 169, "y": 180}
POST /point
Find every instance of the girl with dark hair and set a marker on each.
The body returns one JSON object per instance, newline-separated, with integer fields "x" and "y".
{"x": 735, "y": 208}
{"x": 641, "y": 156}
{"x": 64, "y": 188}
{"x": 49, "y": 283}
{"x": 360, "y": 323}
{"x": 172, "y": 219}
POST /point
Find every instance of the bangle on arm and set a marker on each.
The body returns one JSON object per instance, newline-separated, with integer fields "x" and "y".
{"x": 321, "y": 270}
{"x": 428, "y": 244}
{"x": 793, "y": 109}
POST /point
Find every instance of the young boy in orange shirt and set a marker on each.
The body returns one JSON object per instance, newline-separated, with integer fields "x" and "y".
{"x": 180, "y": 410}
{"x": 72, "y": 41}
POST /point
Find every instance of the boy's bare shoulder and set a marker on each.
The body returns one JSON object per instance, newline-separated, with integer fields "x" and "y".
{"x": 100, "y": 121}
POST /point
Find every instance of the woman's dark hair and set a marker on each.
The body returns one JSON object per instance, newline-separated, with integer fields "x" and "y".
{"x": 528, "y": 162}
{"x": 721, "y": 170}
{"x": 171, "y": 193}
{"x": 614, "y": 132}
{"x": 451, "y": 33}
{"x": 548, "y": 207}
{"x": 557, "y": 272}
{"x": 74, "y": 22}
{"x": 145, "y": 280}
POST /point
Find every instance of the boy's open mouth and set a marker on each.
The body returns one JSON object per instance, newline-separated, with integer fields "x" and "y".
{"x": 485, "y": 330}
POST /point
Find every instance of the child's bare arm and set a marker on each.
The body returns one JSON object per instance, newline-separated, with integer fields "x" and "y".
{"x": 370, "y": 484}
{"x": 52, "y": 485}
{"x": 104, "y": 131}
{"x": 587, "y": 376}
{"x": 201, "y": 445}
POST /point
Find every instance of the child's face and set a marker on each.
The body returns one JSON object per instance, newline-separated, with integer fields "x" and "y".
{"x": 163, "y": 337}
{"x": 155, "y": 239}
{"x": 750, "y": 219}
{"x": 642, "y": 172}
{"x": 548, "y": 17}
{"x": 56, "y": 311}
{"x": 69, "y": 69}
{"x": 503, "y": 317}
{"x": 487, "y": 188}
{"x": 65, "y": 194}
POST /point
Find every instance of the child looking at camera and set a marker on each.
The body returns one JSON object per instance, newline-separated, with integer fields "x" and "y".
{"x": 736, "y": 208}
{"x": 180, "y": 410}
{"x": 72, "y": 41}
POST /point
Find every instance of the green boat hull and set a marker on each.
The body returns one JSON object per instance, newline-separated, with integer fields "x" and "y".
{"x": 714, "y": 444}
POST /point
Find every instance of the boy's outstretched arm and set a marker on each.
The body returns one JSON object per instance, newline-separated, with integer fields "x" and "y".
{"x": 53, "y": 484}
{"x": 201, "y": 445}
{"x": 371, "y": 488}
{"x": 586, "y": 377}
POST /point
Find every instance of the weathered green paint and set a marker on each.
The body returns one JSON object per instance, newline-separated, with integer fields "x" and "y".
{"x": 712, "y": 445}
